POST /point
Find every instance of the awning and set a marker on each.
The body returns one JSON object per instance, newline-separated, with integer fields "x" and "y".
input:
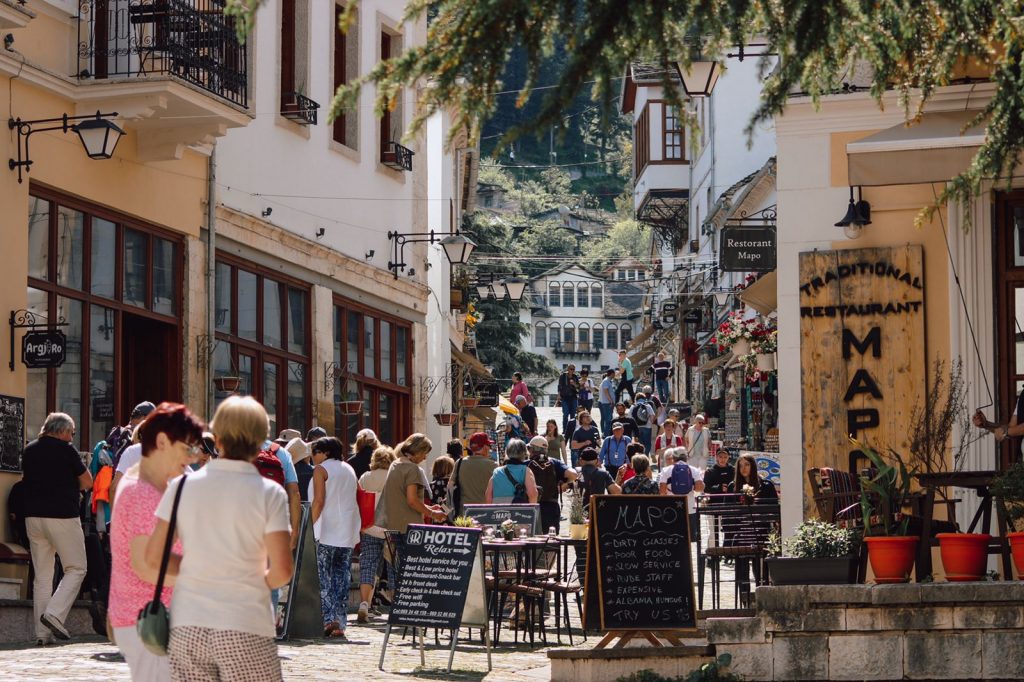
{"x": 762, "y": 295}
{"x": 722, "y": 359}
{"x": 487, "y": 415}
{"x": 469, "y": 362}
{"x": 933, "y": 150}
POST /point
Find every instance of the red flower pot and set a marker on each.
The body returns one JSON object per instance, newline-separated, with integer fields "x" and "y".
{"x": 964, "y": 555}
{"x": 446, "y": 418}
{"x": 470, "y": 403}
{"x": 892, "y": 558}
{"x": 1017, "y": 550}
{"x": 351, "y": 407}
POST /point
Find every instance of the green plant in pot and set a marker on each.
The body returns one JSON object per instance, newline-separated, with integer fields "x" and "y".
{"x": 577, "y": 520}
{"x": 1009, "y": 490}
{"x": 818, "y": 553}
{"x": 891, "y": 551}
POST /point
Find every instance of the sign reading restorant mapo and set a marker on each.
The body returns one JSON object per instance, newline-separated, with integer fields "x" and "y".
{"x": 862, "y": 350}
{"x": 748, "y": 249}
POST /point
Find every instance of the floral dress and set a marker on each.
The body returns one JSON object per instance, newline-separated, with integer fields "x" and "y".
{"x": 640, "y": 485}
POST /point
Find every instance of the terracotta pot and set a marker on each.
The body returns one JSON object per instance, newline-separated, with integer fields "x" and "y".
{"x": 227, "y": 384}
{"x": 892, "y": 558}
{"x": 470, "y": 403}
{"x": 964, "y": 555}
{"x": 351, "y": 407}
{"x": 446, "y": 418}
{"x": 578, "y": 531}
{"x": 1017, "y": 550}
{"x": 741, "y": 347}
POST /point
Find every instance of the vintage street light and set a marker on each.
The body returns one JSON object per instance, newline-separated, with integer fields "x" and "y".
{"x": 457, "y": 248}
{"x": 700, "y": 77}
{"x": 99, "y": 136}
{"x": 857, "y": 216}
{"x": 514, "y": 288}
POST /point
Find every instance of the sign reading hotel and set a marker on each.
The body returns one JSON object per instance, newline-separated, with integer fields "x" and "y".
{"x": 862, "y": 351}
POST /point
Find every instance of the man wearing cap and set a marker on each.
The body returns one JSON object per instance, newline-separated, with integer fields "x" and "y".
{"x": 550, "y": 475}
{"x": 468, "y": 482}
{"x": 698, "y": 440}
{"x": 613, "y": 449}
{"x": 127, "y": 452}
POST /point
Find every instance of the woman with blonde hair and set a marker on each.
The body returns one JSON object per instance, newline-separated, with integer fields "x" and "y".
{"x": 235, "y": 537}
{"x": 362, "y": 450}
{"x": 372, "y": 537}
{"x": 401, "y": 500}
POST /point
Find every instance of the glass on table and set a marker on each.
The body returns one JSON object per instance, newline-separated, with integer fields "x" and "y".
{"x": 488, "y": 533}
{"x": 552, "y": 531}
{"x": 523, "y": 533}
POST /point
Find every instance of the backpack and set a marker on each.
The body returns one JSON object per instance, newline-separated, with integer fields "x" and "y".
{"x": 681, "y": 480}
{"x": 547, "y": 480}
{"x": 118, "y": 440}
{"x": 519, "y": 489}
{"x": 269, "y": 465}
{"x": 642, "y": 413}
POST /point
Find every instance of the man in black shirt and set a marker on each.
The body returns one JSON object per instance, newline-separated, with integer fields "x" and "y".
{"x": 594, "y": 480}
{"x": 528, "y": 413}
{"x": 568, "y": 394}
{"x": 629, "y": 427}
{"x": 54, "y": 476}
{"x": 663, "y": 371}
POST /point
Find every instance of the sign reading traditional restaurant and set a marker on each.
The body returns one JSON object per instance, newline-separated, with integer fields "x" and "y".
{"x": 639, "y": 555}
{"x": 862, "y": 351}
{"x": 12, "y": 432}
{"x": 44, "y": 348}
{"x": 748, "y": 248}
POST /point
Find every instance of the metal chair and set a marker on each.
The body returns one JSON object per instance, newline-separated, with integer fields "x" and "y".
{"x": 746, "y": 528}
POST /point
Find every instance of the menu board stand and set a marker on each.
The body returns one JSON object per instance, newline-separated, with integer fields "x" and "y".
{"x": 441, "y": 585}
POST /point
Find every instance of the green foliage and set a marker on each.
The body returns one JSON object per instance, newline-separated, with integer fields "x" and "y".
{"x": 814, "y": 539}
{"x": 625, "y": 238}
{"x": 576, "y": 514}
{"x": 883, "y": 494}
{"x": 913, "y": 48}
{"x": 716, "y": 671}
{"x": 1009, "y": 488}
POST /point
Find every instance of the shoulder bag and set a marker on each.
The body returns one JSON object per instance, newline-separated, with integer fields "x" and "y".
{"x": 154, "y": 623}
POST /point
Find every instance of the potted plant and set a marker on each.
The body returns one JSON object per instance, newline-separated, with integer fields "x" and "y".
{"x": 577, "y": 521}
{"x": 891, "y": 551}
{"x": 1009, "y": 490}
{"x": 227, "y": 384}
{"x": 507, "y": 529}
{"x": 469, "y": 402}
{"x": 819, "y": 553}
{"x": 964, "y": 555}
{"x": 764, "y": 346}
{"x": 735, "y": 333}
{"x": 350, "y": 408}
{"x": 464, "y": 522}
{"x": 446, "y": 418}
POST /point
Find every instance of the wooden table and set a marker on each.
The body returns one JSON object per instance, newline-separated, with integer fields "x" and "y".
{"x": 979, "y": 481}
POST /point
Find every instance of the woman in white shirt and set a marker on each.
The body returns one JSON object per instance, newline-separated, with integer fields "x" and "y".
{"x": 234, "y": 532}
{"x": 371, "y": 547}
{"x": 336, "y": 529}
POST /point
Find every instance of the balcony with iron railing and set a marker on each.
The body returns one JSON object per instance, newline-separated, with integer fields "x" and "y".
{"x": 176, "y": 66}
{"x": 397, "y": 157}
{"x": 575, "y": 348}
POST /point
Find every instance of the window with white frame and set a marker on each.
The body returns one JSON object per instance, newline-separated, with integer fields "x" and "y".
{"x": 596, "y": 296}
{"x": 598, "y": 337}
{"x": 582, "y": 295}
{"x": 540, "y": 337}
{"x": 555, "y": 336}
{"x": 555, "y": 295}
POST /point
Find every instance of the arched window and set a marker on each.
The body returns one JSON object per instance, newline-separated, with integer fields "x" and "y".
{"x": 596, "y": 296}
{"x": 554, "y": 295}
{"x": 568, "y": 335}
{"x": 568, "y": 295}
{"x": 627, "y": 335}
{"x": 598, "y": 337}
{"x": 540, "y": 336}
{"x": 583, "y": 336}
{"x": 612, "y": 336}
{"x": 582, "y": 295}
{"x": 555, "y": 335}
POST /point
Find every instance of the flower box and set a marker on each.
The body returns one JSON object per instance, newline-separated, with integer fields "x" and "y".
{"x": 817, "y": 571}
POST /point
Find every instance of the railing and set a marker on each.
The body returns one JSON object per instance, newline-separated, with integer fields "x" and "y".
{"x": 575, "y": 348}
{"x": 299, "y": 108}
{"x": 394, "y": 155}
{"x": 189, "y": 39}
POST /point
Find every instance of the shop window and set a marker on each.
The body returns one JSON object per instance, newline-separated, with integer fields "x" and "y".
{"x": 69, "y": 375}
{"x": 222, "y": 299}
{"x": 103, "y": 256}
{"x": 402, "y": 356}
{"x": 70, "y": 247}
{"x": 385, "y": 351}
{"x": 165, "y": 288}
{"x": 38, "y": 238}
{"x": 247, "y": 296}
{"x": 136, "y": 245}
{"x": 272, "y": 313}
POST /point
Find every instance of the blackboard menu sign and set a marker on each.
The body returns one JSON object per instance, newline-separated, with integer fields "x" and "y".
{"x": 644, "y": 573}
{"x": 437, "y": 568}
{"x": 524, "y": 515}
{"x": 12, "y": 432}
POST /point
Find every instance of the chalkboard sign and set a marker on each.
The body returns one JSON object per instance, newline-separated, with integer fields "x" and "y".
{"x": 437, "y": 567}
{"x": 12, "y": 432}
{"x": 641, "y": 553}
{"x": 525, "y": 515}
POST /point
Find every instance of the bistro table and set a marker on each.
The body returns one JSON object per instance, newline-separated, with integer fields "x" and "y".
{"x": 979, "y": 481}
{"x": 520, "y": 552}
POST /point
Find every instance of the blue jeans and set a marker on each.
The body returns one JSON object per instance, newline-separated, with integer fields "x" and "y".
{"x": 568, "y": 412}
{"x": 645, "y": 437}
{"x": 334, "y": 564}
{"x": 606, "y": 418}
{"x": 661, "y": 386}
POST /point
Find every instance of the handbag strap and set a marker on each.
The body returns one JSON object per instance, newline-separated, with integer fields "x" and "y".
{"x": 167, "y": 547}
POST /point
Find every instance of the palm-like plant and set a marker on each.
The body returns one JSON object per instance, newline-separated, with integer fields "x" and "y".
{"x": 882, "y": 495}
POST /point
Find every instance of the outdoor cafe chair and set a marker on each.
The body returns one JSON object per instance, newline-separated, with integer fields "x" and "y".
{"x": 746, "y": 528}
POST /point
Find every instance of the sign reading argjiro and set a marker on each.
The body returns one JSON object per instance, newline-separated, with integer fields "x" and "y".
{"x": 748, "y": 249}
{"x": 44, "y": 348}
{"x": 436, "y": 568}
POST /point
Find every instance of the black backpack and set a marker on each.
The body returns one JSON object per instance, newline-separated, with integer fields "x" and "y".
{"x": 519, "y": 495}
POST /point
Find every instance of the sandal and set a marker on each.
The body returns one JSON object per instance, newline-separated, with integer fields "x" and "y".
{"x": 330, "y": 628}
{"x": 337, "y": 633}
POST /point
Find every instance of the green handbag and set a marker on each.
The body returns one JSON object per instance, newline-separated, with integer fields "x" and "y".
{"x": 154, "y": 623}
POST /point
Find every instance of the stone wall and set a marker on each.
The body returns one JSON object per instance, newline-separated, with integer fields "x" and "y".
{"x": 940, "y": 631}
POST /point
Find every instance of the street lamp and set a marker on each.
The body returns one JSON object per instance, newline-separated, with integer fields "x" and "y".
{"x": 457, "y": 248}
{"x": 721, "y": 298}
{"x": 700, "y": 77}
{"x": 858, "y": 215}
{"x": 514, "y": 288}
{"x": 98, "y": 135}
{"x": 484, "y": 291}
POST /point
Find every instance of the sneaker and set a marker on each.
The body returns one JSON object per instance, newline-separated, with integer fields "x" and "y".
{"x": 363, "y": 614}
{"x": 55, "y": 626}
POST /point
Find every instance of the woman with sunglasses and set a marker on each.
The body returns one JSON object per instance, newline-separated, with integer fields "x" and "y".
{"x": 170, "y": 438}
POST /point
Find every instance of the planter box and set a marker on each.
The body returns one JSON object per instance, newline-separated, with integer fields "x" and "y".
{"x": 827, "y": 571}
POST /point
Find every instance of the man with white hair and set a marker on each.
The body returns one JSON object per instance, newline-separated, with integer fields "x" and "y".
{"x": 698, "y": 440}
{"x": 681, "y": 478}
{"x": 54, "y": 476}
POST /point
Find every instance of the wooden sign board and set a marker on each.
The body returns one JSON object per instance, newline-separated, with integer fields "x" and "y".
{"x": 524, "y": 515}
{"x": 862, "y": 352}
{"x": 12, "y": 432}
{"x": 639, "y": 566}
{"x": 302, "y": 615}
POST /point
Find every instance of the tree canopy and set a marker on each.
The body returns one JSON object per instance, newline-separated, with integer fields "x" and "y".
{"x": 912, "y": 47}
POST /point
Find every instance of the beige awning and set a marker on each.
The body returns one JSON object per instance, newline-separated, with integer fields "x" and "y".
{"x": 933, "y": 150}
{"x": 762, "y": 295}
{"x": 716, "y": 362}
{"x": 487, "y": 415}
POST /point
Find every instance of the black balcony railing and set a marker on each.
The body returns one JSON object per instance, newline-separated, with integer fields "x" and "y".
{"x": 394, "y": 155}
{"x": 189, "y": 39}
{"x": 576, "y": 348}
{"x": 299, "y": 108}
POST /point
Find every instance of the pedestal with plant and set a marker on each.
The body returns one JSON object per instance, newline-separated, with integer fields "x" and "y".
{"x": 818, "y": 553}
{"x": 891, "y": 551}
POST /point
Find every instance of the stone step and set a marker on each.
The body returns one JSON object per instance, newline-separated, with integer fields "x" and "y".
{"x": 607, "y": 665}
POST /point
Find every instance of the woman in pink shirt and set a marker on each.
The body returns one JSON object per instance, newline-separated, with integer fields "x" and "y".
{"x": 170, "y": 437}
{"x": 519, "y": 389}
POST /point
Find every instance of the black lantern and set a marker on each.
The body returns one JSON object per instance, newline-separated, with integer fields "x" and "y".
{"x": 456, "y": 247}
{"x": 700, "y": 76}
{"x": 514, "y": 288}
{"x": 99, "y": 136}
{"x": 857, "y": 216}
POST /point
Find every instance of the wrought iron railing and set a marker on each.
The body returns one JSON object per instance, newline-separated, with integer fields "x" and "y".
{"x": 189, "y": 39}
{"x": 576, "y": 348}
{"x": 394, "y": 155}
{"x": 299, "y": 108}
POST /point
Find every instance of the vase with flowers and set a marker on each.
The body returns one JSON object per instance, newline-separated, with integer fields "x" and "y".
{"x": 507, "y": 529}
{"x": 736, "y": 333}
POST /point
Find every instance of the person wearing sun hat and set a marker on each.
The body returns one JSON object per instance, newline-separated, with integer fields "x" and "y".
{"x": 468, "y": 482}
{"x": 301, "y": 453}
